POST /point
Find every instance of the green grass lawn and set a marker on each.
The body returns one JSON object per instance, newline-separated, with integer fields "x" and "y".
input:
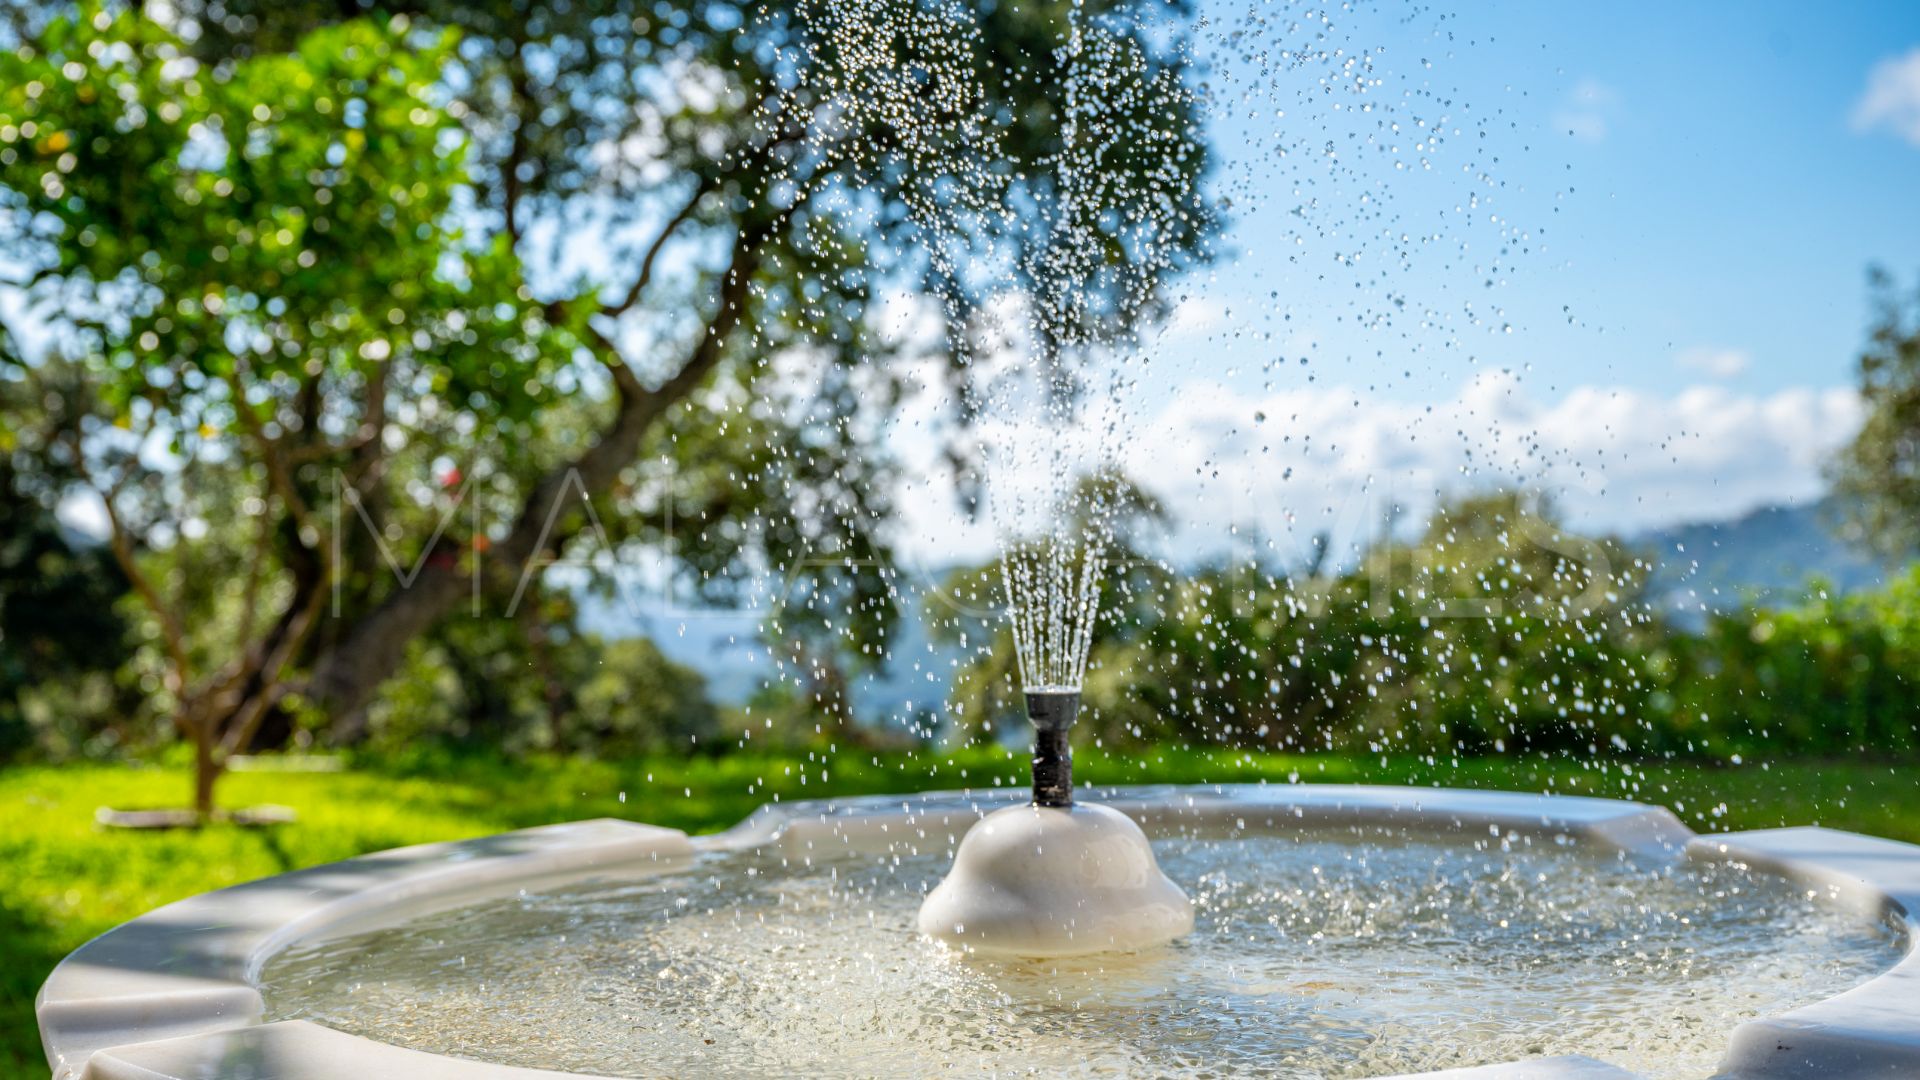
{"x": 64, "y": 880}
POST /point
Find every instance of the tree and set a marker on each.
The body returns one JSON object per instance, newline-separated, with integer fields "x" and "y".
{"x": 314, "y": 266}
{"x": 769, "y": 149}
{"x": 1880, "y": 468}
{"x": 480, "y": 684}
{"x": 222, "y": 252}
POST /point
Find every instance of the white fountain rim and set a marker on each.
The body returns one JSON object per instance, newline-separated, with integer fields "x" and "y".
{"x": 173, "y": 993}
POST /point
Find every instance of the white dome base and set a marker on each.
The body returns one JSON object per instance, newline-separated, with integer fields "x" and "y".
{"x": 1055, "y": 881}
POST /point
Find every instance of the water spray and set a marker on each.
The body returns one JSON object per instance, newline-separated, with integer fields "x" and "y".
{"x": 1057, "y": 877}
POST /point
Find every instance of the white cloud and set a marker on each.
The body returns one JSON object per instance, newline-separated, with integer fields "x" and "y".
{"x": 1194, "y": 316}
{"x": 1588, "y": 111}
{"x": 1715, "y": 361}
{"x": 1613, "y": 458}
{"x": 1289, "y": 465}
{"x": 1892, "y": 98}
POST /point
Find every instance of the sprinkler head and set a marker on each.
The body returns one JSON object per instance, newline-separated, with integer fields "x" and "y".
{"x": 1055, "y": 877}
{"x": 1052, "y": 711}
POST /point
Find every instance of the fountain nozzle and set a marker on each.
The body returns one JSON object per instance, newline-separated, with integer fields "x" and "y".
{"x": 1052, "y": 711}
{"x": 1055, "y": 877}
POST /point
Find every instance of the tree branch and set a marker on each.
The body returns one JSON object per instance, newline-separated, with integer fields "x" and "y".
{"x": 364, "y": 443}
{"x": 511, "y": 185}
{"x": 274, "y": 453}
{"x": 270, "y": 671}
{"x": 346, "y": 675}
{"x": 640, "y": 283}
{"x": 256, "y": 572}
{"x": 639, "y": 406}
{"x": 120, "y": 541}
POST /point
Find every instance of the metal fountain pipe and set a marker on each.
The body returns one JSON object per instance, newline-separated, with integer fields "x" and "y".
{"x": 1052, "y": 711}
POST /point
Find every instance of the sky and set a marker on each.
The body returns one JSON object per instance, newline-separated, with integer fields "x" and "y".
{"x": 1628, "y": 274}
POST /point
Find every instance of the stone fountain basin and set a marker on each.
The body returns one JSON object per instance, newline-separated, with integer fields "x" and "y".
{"x": 173, "y": 994}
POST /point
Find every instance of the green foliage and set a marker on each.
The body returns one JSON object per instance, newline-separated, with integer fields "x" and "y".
{"x": 674, "y": 130}
{"x": 1881, "y": 467}
{"x": 264, "y": 316}
{"x": 639, "y": 701}
{"x": 537, "y": 684}
{"x": 277, "y": 219}
{"x": 326, "y": 264}
{"x": 61, "y": 635}
{"x": 1497, "y": 631}
{"x": 1832, "y": 674}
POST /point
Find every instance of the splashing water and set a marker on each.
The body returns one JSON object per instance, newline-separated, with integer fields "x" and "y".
{"x": 1323, "y": 953}
{"x": 1067, "y": 404}
{"x": 1047, "y": 266}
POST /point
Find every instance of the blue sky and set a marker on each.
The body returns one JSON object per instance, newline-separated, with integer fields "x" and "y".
{"x": 1727, "y": 198}
{"x": 1714, "y": 192}
{"x": 1636, "y": 278}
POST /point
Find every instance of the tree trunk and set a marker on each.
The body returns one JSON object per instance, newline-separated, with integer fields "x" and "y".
{"x": 206, "y": 770}
{"x": 367, "y": 652}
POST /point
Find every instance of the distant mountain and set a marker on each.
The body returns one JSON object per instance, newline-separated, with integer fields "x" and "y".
{"x": 1767, "y": 556}
{"x": 725, "y": 646}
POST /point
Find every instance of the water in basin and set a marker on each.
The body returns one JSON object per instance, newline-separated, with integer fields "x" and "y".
{"x": 1333, "y": 953}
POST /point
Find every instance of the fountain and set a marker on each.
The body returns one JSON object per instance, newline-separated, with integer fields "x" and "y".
{"x": 1055, "y": 878}
{"x": 1332, "y": 930}
{"x": 1345, "y": 931}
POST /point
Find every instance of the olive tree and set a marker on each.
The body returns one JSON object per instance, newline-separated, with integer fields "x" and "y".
{"x": 353, "y": 279}
{"x": 218, "y": 255}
